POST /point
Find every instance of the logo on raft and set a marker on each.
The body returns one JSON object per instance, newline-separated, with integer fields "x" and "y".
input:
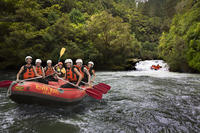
{"x": 19, "y": 88}
{"x": 47, "y": 90}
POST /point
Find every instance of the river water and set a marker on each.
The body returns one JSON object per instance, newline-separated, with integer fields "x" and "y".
{"x": 139, "y": 101}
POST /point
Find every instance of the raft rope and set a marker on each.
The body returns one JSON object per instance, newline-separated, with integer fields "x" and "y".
{"x": 9, "y": 92}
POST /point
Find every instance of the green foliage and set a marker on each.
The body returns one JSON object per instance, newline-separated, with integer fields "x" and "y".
{"x": 76, "y": 16}
{"x": 149, "y": 50}
{"x": 181, "y": 46}
{"x": 112, "y": 38}
{"x": 96, "y": 30}
{"x": 193, "y": 53}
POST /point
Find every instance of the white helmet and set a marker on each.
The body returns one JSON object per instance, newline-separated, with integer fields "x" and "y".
{"x": 49, "y": 61}
{"x": 68, "y": 61}
{"x": 28, "y": 57}
{"x": 90, "y": 62}
{"x": 38, "y": 61}
{"x": 79, "y": 61}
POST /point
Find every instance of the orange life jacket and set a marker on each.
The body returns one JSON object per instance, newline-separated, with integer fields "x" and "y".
{"x": 49, "y": 71}
{"x": 158, "y": 66}
{"x": 90, "y": 70}
{"x": 28, "y": 72}
{"x": 86, "y": 67}
{"x": 80, "y": 69}
{"x": 153, "y": 67}
{"x": 38, "y": 70}
{"x": 71, "y": 75}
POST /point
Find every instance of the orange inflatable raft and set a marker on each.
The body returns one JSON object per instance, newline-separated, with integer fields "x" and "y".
{"x": 31, "y": 92}
{"x": 154, "y": 67}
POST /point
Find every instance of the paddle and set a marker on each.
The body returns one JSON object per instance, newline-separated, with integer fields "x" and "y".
{"x": 101, "y": 87}
{"x": 62, "y": 51}
{"x": 6, "y": 83}
{"x": 90, "y": 92}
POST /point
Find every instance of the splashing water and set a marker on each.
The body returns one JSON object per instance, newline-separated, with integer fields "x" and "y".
{"x": 143, "y": 68}
{"x": 146, "y": 65}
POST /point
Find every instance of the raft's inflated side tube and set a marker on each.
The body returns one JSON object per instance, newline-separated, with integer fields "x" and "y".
{"x": 38, "y": 93}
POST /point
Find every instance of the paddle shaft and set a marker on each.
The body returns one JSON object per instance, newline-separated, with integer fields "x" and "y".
{"x": 35, "y": 78}
{"x": 71, "y": 84}
{"x": 84, "y": 82}
{"x": 30, "y": 79}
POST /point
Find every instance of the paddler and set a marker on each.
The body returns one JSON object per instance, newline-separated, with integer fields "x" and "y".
{"x": 27, "y": 71}
{"x": 153, "y": 67}
{"x": 40, "y": 70}
{"x": 49, "y": 71}
{"x": 72, "y": 75}
{"x": 158, "y": 66}
{"x": 60, "y": 70}
{"x": 84, "y": 72}
{"x": 90, "y": 68}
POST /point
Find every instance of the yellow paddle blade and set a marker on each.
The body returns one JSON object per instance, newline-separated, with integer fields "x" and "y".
{"x": 62, "y": 51}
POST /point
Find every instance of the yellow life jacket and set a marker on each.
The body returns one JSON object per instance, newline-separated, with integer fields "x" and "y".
{"x": 62, "y": 71}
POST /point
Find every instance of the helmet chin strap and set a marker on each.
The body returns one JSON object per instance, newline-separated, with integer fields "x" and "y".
{"x": 28, "y": 63}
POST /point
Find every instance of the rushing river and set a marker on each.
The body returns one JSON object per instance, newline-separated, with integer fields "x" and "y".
{"x": 139, "y": 101}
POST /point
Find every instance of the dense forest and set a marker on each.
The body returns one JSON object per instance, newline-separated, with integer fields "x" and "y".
{"x": 180, "y": 47}
{"x": 109, "y": 32}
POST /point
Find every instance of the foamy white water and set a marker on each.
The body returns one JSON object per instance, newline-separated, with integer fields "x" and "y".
{"x": 146, "y": 65}
{"x": 143, "y": 68}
